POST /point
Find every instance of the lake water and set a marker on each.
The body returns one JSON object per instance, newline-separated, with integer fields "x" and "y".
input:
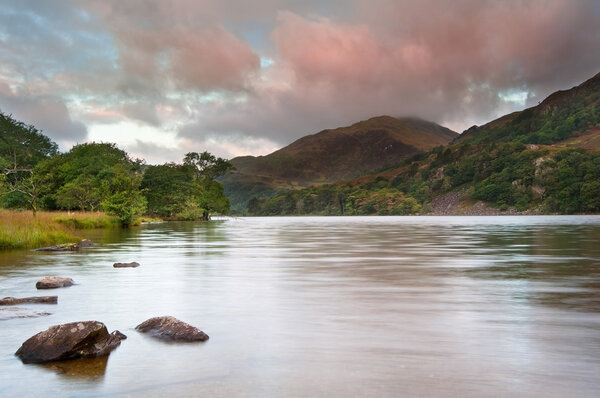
{"x": 325, "y": 307}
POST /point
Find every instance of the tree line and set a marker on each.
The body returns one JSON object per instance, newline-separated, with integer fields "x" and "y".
{"x": 103, "y": 177}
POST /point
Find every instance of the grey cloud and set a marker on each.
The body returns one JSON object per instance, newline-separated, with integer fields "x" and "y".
{"x": 142, "y": 111}
{"x": 48, "y": 114}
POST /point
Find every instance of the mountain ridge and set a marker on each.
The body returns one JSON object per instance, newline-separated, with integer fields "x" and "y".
{"x": 332, "y": 155}
{"x": 543, "y": 159}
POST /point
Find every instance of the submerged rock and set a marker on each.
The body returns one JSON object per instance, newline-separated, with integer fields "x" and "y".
{"x": 70, "y": 341}
{"x": 18, "y": 312}
{"x": 170, "y": 328}
{"x": 38, "y": 300}
{"x": 53, "y": 282}
{"x": 132, "y": 264}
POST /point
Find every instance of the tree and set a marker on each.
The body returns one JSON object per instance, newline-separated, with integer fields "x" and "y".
{"x": 73, "y": 180}
{"x": 187, "y": 191}
{"x": 22, "y": 147}
{"x": 80, "y": 193}
{"x": 207, "y": 166}
{"x": 122, "y": 196}
{"x": 212, "y": 199}
{"x": 169, "y": 190}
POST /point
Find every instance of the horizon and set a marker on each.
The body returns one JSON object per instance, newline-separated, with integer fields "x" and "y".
{"x": 234, "y": 79}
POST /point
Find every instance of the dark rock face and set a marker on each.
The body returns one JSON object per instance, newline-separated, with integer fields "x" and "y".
{"x": 53, "y": 282}
{"x": 38, "y": 300}
{"x": 70, "y": 341}
{"x": 132, "y": 264}
{"x": 170, "y": 328}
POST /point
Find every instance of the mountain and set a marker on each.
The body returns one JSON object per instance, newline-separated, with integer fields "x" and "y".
{"x": 544, "y": 159}
{"x": 560, "y": 116}
{"x": 332, "y": 155}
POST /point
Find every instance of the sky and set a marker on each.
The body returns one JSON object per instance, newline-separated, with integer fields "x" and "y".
{"x": 161, "y": 78}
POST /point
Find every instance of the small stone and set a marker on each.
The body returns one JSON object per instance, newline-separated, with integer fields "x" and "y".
{"x": 36, "y": 300}
{"x": 170, "y": 328}
{"x": 132, "y": 264}
{"x": 53, "y": 282}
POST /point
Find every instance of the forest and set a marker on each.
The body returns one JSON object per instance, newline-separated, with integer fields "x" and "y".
{"x": 34, "y": 175}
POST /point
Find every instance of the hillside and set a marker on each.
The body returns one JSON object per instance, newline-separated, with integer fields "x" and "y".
{"x": 544, "y": 159}
{"x": 560, "y": 116}
{"x": 332, "y": 155}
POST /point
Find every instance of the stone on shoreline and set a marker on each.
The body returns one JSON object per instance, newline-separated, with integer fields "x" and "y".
{"x": 53, "y": 282}
{"x": 170, "y": 328}
{"x": 67, "y": 247}
{"x": 35, "y": 300}
{"x": 132, "y": 264}
{"x": 70, "y": 341}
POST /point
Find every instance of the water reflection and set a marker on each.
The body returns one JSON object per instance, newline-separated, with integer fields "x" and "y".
{"x": 92, "y": 369}
{"x": 365, "y": 306}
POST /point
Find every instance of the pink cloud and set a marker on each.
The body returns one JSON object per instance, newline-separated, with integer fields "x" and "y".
{"x": 171, "y": 45}
{"x": 443, "y": 61}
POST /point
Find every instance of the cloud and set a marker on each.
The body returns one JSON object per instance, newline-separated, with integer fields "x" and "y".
{"x": 194, "y": 66}
{"x": 452, "y": 63}
{"x": 172, "y": 46}
{"x": 48, "y": 114}
{"x": 142, "y": 111}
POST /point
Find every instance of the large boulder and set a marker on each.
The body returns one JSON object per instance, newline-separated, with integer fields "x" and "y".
{"x": 36, "y": 300}
{"x": 132, "y": 264}
{"x": 170, "y": 328}
{"x": 53, "y": 282}
{"x": 70, "y": 341}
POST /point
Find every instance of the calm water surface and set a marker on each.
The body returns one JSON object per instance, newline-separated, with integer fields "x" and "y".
{"x": 322, "y": 307}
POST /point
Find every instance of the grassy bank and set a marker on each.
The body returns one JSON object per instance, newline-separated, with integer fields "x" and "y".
{"x": 21, "y": 229}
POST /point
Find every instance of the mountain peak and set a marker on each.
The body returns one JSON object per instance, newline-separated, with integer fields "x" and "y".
{"x": 333, "y": 155}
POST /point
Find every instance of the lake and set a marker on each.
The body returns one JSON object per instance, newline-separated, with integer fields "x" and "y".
{"x": 325, "y": 307}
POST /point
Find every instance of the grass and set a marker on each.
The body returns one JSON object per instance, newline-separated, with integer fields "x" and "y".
{"x": 85, "y": 220}
{"x": 21, "y": 229}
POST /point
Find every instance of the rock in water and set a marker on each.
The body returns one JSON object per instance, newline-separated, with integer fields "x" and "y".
{"x": 132, "y": 264}
{"x": 35, "y": 300}
{"x": 67, "y": 247}
{"x": 85, "y": 243}
{"x": 18, "y": 312}
{"x": 53, "y": 282}
{"x": 169, "y": 328}
{"x": 63, "y": 247}
{"x": 70, "y": 341}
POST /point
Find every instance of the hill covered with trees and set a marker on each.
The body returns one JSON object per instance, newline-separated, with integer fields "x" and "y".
{"x": 102, "y": 177}
{"x": 332, "y": 155}
{"x": 545, "y": 159}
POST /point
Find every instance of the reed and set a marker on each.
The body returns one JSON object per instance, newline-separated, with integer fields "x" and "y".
{"x": 21, "y": 229}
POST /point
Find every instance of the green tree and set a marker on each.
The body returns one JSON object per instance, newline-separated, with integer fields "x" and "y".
{"x": 73, "y": 180}
{"x": 122, "y": 196}
{"x": 21, "y": 148}
{"x": 170, "y": 190}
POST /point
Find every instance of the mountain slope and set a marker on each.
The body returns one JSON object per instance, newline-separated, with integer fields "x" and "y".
{"x": 332, "y": 155}
{"x": 544, "y": 159}
{"x": 560, "y": 116}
